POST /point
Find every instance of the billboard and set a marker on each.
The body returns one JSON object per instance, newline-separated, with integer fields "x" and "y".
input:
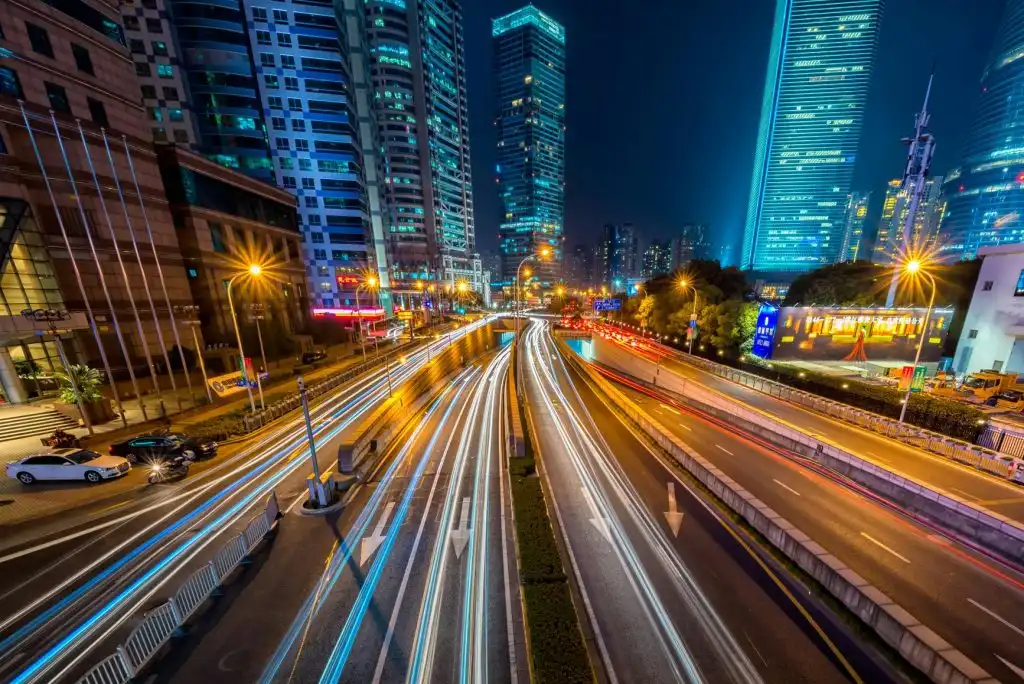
{"x": 607, "y": 304}
{"x": 764, "y": 333}
{"x": 822, "y": 333}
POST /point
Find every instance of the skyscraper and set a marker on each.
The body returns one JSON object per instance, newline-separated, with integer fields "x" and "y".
{"x": 619, "y": 251}
{"x": 529, "y": 62}
{"x": 819, "y": 68}
{"x": 889, "y": 243}
{"x": 691, "y": 243}
{"x": 419, "y": 76}
{"x": 986, "y": 194}
{"x": 856, "y": 217}
{"x": 657, "y": 260}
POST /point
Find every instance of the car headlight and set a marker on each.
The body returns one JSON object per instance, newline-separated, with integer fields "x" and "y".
{"x": 157, "y": 467}
{"x": 110, "y": 470}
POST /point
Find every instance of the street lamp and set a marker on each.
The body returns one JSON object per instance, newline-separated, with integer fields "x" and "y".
{"x": 684, "y": 284}
{"x": 191, "y": 313}
{"x": 912, "y": 268}
{"x": 543, "y": 253}
{"x": 369, "y": 284}
{"x": 253, "y": 271}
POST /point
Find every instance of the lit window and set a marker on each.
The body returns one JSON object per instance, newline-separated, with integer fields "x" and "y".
{"x": 165, "y": 71}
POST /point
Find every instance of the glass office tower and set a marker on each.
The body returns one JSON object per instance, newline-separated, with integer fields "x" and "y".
{"x": 529, "y": 62}
{"x": 418, "y": 67}
{"x": 819, "y": 68}
{"x": 985, "y": 196}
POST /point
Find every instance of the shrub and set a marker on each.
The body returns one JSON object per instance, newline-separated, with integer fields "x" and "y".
{"x": 538, "y": 554}
{"x": 88, "y": 381}
{"x": 556, "y": 645}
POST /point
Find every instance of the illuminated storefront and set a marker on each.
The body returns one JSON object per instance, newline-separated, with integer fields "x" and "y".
{"x": 858, "y": 334}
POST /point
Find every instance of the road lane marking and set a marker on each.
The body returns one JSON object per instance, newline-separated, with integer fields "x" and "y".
{"x": 599, "y": 522}
{"x": 785, "y": 486}
{"x": 725, "y": 450}
{"x": 672, "y": 515}
{"x": 1012, "y": 626}
{"x": 876, "y": 456}
{"x": 880, "y": 544}
{"x": 965, "y": 494}
{"x": 372, "y": 542}
{"x": 669, "y": 408}
{"x": 1001, "y": 502}
{"x": 460, "y": 534}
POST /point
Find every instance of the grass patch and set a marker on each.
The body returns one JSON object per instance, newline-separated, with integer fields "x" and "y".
{"x": 555, "y": 646}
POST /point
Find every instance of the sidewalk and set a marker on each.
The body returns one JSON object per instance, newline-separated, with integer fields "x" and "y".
{"x": 19, "y": 504}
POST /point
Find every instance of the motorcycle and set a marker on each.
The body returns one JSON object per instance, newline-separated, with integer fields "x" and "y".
{"x": 174, "y": 468}
{"x": 60, "y": 440}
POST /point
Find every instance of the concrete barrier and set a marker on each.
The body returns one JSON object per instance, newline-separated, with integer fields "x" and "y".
{"x": 919, "y": 645}
{"x": 984, "y": 527}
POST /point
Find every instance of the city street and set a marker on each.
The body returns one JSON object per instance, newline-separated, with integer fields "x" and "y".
{"x": 671, "y": 594}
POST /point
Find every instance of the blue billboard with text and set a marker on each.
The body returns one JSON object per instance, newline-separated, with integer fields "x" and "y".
{"x": 764, "y": 333}
{"x": 607, "y": 304}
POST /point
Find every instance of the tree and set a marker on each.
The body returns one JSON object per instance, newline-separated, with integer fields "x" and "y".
{"x": 729, "y": 325}
{"x": 645, "y": 310}
{"x": 88, "y": 380}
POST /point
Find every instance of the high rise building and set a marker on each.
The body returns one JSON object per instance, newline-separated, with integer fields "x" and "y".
{"x": 856, "y": 217}
{"x": 85, "y": 231}
{"x": 271, "y": 89}
{"x": 819, "y": 68}
{"x": 985, "y": 195}
{"x": 657, "y": 260}
{"x": 691, "y": 243}
{"x": 529, "y": 62}
{"x": 889, "y": 244}
{"x": 580, "y": 271}
{"x": 419, "y": 77}
{"x": 619, "y": 249}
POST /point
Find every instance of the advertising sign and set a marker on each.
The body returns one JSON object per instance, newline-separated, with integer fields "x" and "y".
{"x": 917, "y": 384}
{"x": 764, "y": 333}
{"x": 906, "y": 377}
{"x": 231, "y": 383}
{"x": 607, "y": 304}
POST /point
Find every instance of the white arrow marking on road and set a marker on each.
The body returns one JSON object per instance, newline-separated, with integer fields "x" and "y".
{"x": 1013, "y": 668}
{"x": 460, "y": 535}
{"x": 372, "y": 543}
{"x": 598, "y": 521}
{"x": 674, "y": 517}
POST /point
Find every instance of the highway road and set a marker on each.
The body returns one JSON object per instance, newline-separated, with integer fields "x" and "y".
{"x": 973, "y": 486}
{"x": 69, "y": 595}
{"x": 671, "y": 594}
{"x": 971, "y": 601}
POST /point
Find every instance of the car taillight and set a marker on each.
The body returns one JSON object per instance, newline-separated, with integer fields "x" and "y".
{"x": 110, "y": 449}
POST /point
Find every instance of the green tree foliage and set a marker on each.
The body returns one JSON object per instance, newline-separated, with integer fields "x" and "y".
{"x": 858, "y": 283}
{"x": 645, "y": 311}
{"x": 89, "y": 380}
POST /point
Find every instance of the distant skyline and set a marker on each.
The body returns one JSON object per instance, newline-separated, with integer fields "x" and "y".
{"x": 661, "y": 131}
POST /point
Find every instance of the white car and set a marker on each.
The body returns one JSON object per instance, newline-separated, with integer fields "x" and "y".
{"x": 68, "y": 464}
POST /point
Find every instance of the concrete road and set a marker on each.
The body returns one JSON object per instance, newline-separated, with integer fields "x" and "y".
{"x": 670, "y": 592}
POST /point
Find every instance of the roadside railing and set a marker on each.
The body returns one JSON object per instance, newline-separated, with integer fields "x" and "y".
{"x": 1000, "y": 464}
{"x": 260, "y": 418}
{"x": 158, "y": 625}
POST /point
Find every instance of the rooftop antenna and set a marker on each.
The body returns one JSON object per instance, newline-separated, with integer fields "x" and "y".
{"x": 921, "y": 149}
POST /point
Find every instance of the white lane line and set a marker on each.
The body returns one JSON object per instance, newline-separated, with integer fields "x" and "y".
{"x": 785, "y": 486}
{"x": 964, "y": 494}
{"x": 877, "y": 457}
{"x": 883, "y": 546}
{"x": 1014, "y": 627}
{"x": 669, "y": 408}
{"x": 725, "y": 450}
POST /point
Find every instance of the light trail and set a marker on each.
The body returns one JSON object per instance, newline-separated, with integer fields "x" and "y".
{"x": 589, "y": 457}
{"x": 80, "y": 635}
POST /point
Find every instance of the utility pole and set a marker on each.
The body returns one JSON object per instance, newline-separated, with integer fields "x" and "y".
{"x": 919, "y": 161}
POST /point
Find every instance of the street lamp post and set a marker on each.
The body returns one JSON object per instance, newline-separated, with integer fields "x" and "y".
{"x": 693, "y": 316}
{"x": 913, "y": 267}
{"x": 254, "y": 271}
{"x": 192, "y": 320}
{"x": 50, "y": 317}
{"x": 257, "y": 316}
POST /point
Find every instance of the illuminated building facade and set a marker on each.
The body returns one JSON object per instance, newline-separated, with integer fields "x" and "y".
{"x": 986, "y": 193}
{"x": 418, "y": 68}
{"x": 529, "y": 58}
{"x": 690, "y": 244}
{"x": 889, "y": 244}
{"x": 856, "y": 217}
{"x": 620, "y": 258}
{"x": 657, "y": 260}
{"x": 819, "y": 69}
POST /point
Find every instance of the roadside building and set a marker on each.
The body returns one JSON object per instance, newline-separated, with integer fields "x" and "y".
{"x": 993, "y": 334}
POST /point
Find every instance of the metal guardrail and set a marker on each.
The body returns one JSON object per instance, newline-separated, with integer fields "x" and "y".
{"x": 290, "y": 403}
{"x": 163, "y": 622}
{"x": 976, "y": 455}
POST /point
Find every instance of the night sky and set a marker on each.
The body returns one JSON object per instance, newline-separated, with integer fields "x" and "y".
{"x": 663, "y": 99}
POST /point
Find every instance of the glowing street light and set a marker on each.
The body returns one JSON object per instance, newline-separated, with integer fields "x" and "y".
{"x": 254, "y": 271}
{"x": 914, "y": 267}
{"x": 685, "y": 284}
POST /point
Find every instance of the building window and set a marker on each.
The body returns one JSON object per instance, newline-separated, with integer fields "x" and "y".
{"x": 295, "y": 104}
{"x": 58, "y": 97}
{"x": 155, "y": 113}
{"x": 193, "y": 273}
{"x": 9, "y": 83}
{"x": 288, "y": 182}
{"x": 180, "y": 135}
{"x": 286, "y": 163}
{"x": 314, "y": 220}
{"x": 259, "y": 14}
{"x": 82, "y": 59}
{"x": 142, "y": 69}
{"x": 309, "y": 184}
{"x": 285, "y": 40}
{"x": 148, "y": 92}
{"x": 170, "y": 93}
{"x": 165, "y": 71}
{"x": 217, "y": 238}
{"x": 270, "y": 80}
{"x": 160, "y": 48}
{"x": 263, "y": 38}
{"x": 267, "y": 59}
{"x": 154, "y": 26}
{"x": 131, "y": 23}
{"x": 97, "y": 112}
{"x": 137, "y": 46}
{"x": 302, "y": 145}
{"x": 291, "y": 83}
{"x": 39, "y": 39}
{"x": 175, "y": 114}
{"x": 987, "y": 286}
{"x": 322, "y": 271}
{"x": 160, "y": 134}
{"x": 298, "y": 125}
{"x": 281, "y": 16}
{"x": 972, "y": 335}
{"x": 275, "y": 102}
{"x": 287, "y": 61}
{"x": 311, "y": 202}
{"x": 305, "y": 164}
{"x": 320, "y": 254}
{"x": 316, "y": 238}
{"x": 277, "y": 123}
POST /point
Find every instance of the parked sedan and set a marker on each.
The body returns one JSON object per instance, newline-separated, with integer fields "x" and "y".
{"x": 161, "y": 447}
{"x": 68, "y": 464}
